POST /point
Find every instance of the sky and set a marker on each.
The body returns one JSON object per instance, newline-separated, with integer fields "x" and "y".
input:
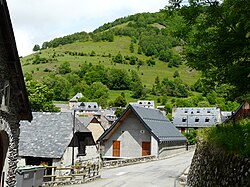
{"x": 37, "y": 21}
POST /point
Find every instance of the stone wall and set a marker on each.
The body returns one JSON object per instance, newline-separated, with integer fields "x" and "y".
{"x": 215, "y": 167}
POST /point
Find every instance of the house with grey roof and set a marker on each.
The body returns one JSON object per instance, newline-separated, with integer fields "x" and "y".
{"x": 87, "y": 108}
{"x": 73, "y": 101}
{"x": 145, "y": 103}
{"x": 140, "y": 132}
{"x": 93, "y": 125}
{"x": 51, "y": 138}
{"x": 196, "y": 117}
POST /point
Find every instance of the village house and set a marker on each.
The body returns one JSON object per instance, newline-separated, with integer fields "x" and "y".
{"x": 87, "y": 108}
{"x": 14, "y": 103}
{"x": 74, "y": 100}
{"x": 196, "y": 117}
{"x": 93, "y": 125}
{"x": 140, "y": 132}
{"x": 49, "y": 138}
{"x": 145, "y": 103}
{"x": 242, "y": 112}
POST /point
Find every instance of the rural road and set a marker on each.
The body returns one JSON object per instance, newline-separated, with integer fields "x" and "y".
{"x": 161, "y": 173}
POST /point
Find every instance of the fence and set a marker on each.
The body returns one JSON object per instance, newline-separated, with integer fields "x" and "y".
{"x": 70, "y": 175}
{"x": 128, "y": 161}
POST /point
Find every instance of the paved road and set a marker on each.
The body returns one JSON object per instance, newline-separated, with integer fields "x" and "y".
{"x": 162, "y": 173}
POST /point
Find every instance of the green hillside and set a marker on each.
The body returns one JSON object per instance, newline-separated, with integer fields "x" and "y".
{"x": 136, "y": 57}
{"x": 102, "y": 49}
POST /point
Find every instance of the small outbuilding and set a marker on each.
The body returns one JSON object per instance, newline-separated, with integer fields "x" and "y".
{"x": 140, "y": 132}
{"x": 50, "y": 139}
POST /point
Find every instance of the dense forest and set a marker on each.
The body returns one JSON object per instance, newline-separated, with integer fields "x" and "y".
{"x": 204, "y": 36}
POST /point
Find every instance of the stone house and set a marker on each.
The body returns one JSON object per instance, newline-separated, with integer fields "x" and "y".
{"x": 50, "y": 138}
{"x": 196, "y": 117}
{"x": 140, "y": 132}
{"x": 14, "y": 103}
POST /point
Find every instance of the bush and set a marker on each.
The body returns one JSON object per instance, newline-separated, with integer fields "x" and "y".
{"x": 234, "y": 138}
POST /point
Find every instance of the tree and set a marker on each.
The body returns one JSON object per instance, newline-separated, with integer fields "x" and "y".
{"x": 40, "y": 97}
{"x": 64, "y": 68}
{"x": 60, "y": 86}
{"x": 36, "y": 48}
{"x": 131, "y": 47}
{"x": 120, "y": 101}
{"x": 118, "y": 112}
{"x": 219, "y": 45}
{"x": 97, "y": 92}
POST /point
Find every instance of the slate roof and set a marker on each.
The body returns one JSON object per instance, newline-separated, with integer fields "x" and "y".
{"x": 87, "y": 120}
{"x": 48, "y": 135}
{"x": 160, "y": 127}
{"x": 76, "y": 97}
{"x": 87, "y": 106}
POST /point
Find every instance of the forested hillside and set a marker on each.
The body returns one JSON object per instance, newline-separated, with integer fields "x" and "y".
{"x": 142, "y": 56}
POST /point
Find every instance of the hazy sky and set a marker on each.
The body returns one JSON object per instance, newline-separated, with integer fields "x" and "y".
{"x": 36, "y": 21}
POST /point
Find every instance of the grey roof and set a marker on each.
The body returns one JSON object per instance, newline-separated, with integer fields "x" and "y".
{"x": 48, "y": 135}
{"x": 76, "y": 97}
{"x": 160, "y": 127}
{"x": 192, "y": 117}
{"x": 87, "y": 120}
{"x": 87, "y": 106}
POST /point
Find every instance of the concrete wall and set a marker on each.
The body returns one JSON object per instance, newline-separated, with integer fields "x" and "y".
{"x": 214, "y": 167}
{"x": 170, "y": 148}
{"x": 154, "y": 146}
{"x": 130, "y": 137}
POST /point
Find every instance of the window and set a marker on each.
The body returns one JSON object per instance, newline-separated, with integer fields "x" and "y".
{"x": 196, "y": 120}
{"x": 149, "y": 103}
{"x": 142, "y": 131}
{"x": 207, "y": 120}
{"x": 94, "y": 106}
{"x": 81, "y": 148}
{"x": 89, "y": 106}
{"x": 184, "y": 119}
{"x": 6, "y": 94}
{"x": 186, "y": 111}
{"x": 208, "y": 111}
{"x": 198, "y": 111}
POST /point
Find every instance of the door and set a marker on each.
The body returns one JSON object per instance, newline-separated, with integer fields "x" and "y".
{"x": 145, "y": 148}
{"x": 116, "y": 148}
{"x": 4, "y": 142}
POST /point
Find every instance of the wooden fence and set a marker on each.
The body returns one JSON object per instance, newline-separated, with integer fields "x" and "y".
{"x": 70, "y": 175}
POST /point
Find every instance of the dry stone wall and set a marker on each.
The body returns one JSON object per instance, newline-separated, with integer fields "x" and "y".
{"x": 213, "y": 167}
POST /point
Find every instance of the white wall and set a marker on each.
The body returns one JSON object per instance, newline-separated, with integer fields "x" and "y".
{"x": 154, "y": 146}
{"x": 128, "y": 133}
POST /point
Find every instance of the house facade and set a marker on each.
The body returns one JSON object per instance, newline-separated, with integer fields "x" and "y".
{"x": 140, "y": 132}
{"x": 14, "y": 104}
{"x": 93, "y": 125}
{"x": 49, "y": 138}
{"x": 87, "y": 108}
{"x": 196, "y": 117}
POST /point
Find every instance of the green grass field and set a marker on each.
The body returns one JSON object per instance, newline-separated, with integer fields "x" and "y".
{"x": 102, "y": 50}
